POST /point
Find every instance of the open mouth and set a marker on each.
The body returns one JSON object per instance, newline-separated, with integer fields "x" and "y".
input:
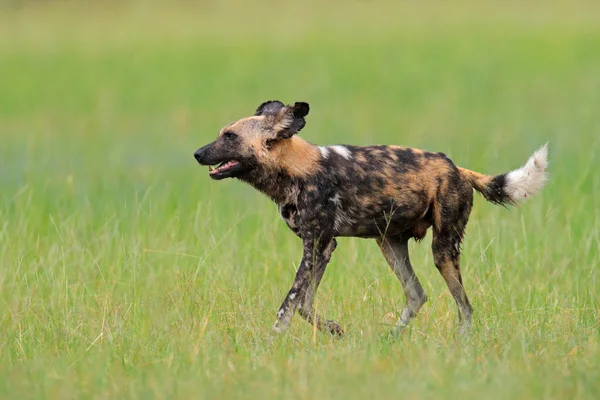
{"x": 223, "y": 169}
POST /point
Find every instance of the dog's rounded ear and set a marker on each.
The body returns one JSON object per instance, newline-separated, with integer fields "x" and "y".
{"x": 301, "y": 109}
{"x": 271, "y": 107}
{"x": 290, "y": 120}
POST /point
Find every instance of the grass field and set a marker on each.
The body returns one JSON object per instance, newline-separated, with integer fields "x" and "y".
{"x": 127, "y": 273}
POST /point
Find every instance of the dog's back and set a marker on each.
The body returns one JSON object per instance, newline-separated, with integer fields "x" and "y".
{"x": 387, "y": 190}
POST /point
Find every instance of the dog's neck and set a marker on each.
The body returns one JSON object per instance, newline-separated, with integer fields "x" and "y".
{"x": 296, "y": 157}
{"x": 282, "y": 189}
{"x": 288, "y": 163}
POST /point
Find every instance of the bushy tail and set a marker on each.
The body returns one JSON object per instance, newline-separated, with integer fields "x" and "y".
{"x": 513, "y": 187}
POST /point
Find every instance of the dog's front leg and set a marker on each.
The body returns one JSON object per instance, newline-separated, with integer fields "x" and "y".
{"x": 306, "y": 307}
{"x": 313, "y": 254}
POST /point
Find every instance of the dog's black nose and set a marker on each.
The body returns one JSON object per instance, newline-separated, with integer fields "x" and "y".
{"x": 198, "y": 155}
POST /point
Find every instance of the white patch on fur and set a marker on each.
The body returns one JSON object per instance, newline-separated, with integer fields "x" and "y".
{"x": 526, "y": 181}
{"x": 341, "y": 221}
{"x": 292, "y": 296}
{"x": 336, "y": 200}
{"x": 457, "y": 247}
{"x": 338, "y": 222}
{"x": 280, "y": 313}
{"x": 342, "y": 151}
{"x": 324, "y": 151}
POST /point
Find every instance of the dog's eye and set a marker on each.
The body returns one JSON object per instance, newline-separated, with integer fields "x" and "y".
{"x": 229, "y": 135}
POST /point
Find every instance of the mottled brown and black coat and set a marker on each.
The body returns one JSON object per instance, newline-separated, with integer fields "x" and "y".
{"x": 387, "y": 193}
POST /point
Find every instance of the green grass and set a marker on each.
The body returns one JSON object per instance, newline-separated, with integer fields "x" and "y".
{"x": 127, "y": 273}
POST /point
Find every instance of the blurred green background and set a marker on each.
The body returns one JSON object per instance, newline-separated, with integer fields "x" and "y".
{"x": 128, "y": 273}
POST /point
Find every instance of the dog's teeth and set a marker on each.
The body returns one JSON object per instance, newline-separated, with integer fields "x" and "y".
{"x": 211, "y": 168}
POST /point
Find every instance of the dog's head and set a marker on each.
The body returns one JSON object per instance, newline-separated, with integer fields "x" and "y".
{"x": 247, "y": 144}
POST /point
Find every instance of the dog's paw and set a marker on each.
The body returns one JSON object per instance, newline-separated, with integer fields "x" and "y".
{"x": 398, "y": 329}
{"x": 335, "y": 329}
{"x": 464, "y": 330}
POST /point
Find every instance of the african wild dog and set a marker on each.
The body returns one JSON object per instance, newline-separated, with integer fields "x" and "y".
{"x": 387, "y": 193}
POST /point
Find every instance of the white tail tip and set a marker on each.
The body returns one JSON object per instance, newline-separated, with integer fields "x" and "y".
{"x": 526, "y": 181}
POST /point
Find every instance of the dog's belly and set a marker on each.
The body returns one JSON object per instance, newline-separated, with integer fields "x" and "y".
{"x": 406, "y": 221}
{"x": 375, "y": 228}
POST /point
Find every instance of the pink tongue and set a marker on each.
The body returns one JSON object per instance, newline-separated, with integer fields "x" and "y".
{"x": 225, "y": 166}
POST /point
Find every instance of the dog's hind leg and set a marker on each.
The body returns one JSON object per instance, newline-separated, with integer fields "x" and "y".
{"x": 306, "y": 309}
{"x": 446, "y": 255}
{"x": 395, "y": 251}
{"x": 448, "y": 232}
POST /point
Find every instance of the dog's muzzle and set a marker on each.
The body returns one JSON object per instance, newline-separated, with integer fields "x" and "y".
{"x": 201, "y": 155}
